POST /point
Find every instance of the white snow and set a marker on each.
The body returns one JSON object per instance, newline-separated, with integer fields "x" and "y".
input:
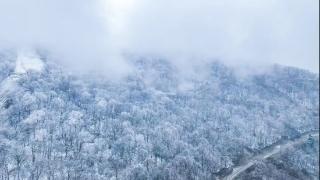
{"x": 28, "y": 61}
{"x": 7, "y": 87}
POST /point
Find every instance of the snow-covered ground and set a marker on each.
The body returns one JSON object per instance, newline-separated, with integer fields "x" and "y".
{"x": 28, "y": 61}
{"x": 276, "y": 149}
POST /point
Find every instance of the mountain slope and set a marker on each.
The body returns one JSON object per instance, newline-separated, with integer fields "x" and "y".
{"x": 148, "y": 126}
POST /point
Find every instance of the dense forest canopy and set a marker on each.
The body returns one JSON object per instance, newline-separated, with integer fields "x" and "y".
{"x": 150, "y": 125}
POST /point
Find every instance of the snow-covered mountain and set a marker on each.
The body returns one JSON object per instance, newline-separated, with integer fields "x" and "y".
{"x": 28, "y": 61}
{"x": 54, "y": 125}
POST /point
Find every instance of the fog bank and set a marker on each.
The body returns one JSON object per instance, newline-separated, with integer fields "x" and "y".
{"x": 95, "y": 34}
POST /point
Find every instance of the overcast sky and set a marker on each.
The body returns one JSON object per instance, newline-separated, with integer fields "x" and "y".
{"x": 100, "y": 31}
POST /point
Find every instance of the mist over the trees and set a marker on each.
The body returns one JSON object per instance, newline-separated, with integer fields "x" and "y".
{"x": 100, "y": 34}
{"x": 159, "y": 89}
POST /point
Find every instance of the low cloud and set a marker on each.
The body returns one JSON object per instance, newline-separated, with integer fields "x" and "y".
{"x": 237, "y": 32}
{"x": 94, "y": 34}
{"x": 74, "y": 32}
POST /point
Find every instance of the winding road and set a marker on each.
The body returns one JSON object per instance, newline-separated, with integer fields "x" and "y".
{"x": 275, "y": 149}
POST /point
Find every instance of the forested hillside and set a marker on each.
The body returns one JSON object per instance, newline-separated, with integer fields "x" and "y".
{"x": 300, "y": 162}
{"x": 150, "y": 125}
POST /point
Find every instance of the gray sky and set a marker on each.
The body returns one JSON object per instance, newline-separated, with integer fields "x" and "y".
{"x": 254, "y": 32}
